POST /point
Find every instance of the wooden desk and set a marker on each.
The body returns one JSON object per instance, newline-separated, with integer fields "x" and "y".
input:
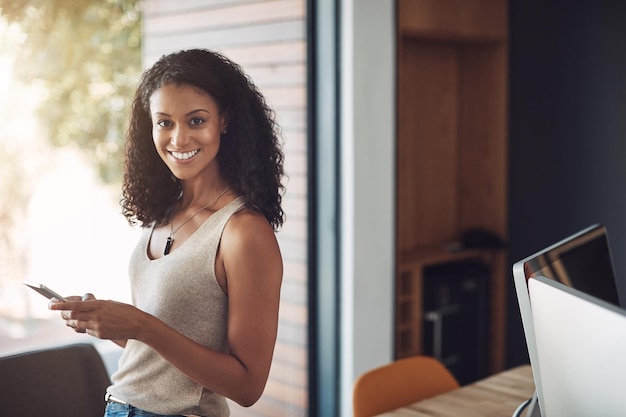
{"x": 496, "y": 396}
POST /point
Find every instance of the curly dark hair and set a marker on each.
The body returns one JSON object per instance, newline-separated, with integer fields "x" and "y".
{"x": 250, "y": 155}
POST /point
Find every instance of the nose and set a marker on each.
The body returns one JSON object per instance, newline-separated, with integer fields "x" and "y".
{"x": 179, "y": 137}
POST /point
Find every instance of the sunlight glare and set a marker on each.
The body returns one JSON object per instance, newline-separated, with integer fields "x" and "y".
{"x": 6, "y": 74}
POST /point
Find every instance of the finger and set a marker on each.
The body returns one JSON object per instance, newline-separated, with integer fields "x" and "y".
{"x": 72, "y": 305}
{"x": 82, "y": 316}
{"x": 60, "y": 305}
{"x": 89, "y": 296}
{"x": 82, "y": 325}
{"x": 74, "y": 326}
{"x": 79, "y": 330}
{"x": 54, "y": 301}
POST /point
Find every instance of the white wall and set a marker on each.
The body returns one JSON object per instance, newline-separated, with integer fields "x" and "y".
{"x": 368, "y": 183}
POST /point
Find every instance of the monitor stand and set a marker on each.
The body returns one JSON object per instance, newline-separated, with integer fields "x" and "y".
{"x": 529, "y": 408}
{"x": 533, "y": 407}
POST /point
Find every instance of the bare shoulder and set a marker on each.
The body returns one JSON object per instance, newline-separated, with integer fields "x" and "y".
{"x": 248, "y": 229}
{"x": 250, "y": 255}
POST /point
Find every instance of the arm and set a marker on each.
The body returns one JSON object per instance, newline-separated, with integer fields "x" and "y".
{"x": 249, "y": 266}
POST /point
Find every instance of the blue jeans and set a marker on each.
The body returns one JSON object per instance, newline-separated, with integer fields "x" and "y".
{"x": 127, "y": 410}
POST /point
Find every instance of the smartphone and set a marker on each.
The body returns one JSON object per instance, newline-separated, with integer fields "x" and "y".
{"x": 43, "y": 290}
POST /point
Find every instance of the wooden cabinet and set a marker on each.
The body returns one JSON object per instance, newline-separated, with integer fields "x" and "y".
{"x": 451, "y": 150}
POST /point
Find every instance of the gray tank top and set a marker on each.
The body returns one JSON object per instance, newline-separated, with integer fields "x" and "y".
{"x": 181, "y": 290}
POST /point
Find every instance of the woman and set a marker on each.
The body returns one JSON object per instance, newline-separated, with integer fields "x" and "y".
{"x": 202, "y": 177}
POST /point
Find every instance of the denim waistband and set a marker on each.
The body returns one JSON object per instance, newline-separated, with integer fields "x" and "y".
{"x": 114, "y": 409}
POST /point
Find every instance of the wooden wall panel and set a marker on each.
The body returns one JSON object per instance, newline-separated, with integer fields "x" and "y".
{"x": 277, "y": 76}
{"x": 482, "y": 138}
{"x": 427, "y": 107}
{"x": 268, "y": 39}
{"x": 218, "y": 38}
{"x": 283, "y": 53}
{"x": 475, "y": 20}
{"x": 212, "y": 18}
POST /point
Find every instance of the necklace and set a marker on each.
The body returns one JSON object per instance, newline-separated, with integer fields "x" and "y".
{"x": 170, "y": 238}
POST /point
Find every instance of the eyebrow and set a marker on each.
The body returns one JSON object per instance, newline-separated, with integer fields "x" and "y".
{"x": 187, "y": 114}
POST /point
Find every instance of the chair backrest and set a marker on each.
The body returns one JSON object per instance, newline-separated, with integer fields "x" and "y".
{"x": 68, "y": 381}
{"x": 400, "y": 383}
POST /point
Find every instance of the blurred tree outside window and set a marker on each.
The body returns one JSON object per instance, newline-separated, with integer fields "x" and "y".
{"x": 68, "y": 71}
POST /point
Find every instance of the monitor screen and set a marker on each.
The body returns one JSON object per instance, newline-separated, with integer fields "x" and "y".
{"x": 582, "y": 261}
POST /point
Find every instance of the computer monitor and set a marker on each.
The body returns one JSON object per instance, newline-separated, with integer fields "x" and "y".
{"x": 580, "y": 342}
{"x": 583, "y": 261}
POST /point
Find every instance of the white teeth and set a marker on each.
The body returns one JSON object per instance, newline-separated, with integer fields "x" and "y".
{"x": 184, "y": 155}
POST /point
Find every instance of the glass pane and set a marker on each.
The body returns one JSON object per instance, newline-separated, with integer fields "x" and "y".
{"x": 60, "y": 220}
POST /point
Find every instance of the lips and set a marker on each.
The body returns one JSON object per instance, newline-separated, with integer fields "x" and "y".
{"x": 183, "y": 156}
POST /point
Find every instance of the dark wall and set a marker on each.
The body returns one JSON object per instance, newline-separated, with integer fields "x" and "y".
{"x": 567, "y": 131}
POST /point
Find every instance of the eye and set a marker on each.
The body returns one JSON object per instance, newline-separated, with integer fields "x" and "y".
{"x": 196, "y": 121}
{"x": 164, "y": 123}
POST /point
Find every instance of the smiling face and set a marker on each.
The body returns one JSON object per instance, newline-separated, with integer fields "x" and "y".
{"x": 186, "y": 129}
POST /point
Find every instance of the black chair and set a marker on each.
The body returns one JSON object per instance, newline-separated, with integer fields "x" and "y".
{"x": 68, "y": 381}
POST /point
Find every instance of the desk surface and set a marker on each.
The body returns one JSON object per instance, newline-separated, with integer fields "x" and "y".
{"x": 496, "y": 396}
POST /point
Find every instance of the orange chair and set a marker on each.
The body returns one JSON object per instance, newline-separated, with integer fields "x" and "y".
{"x": 400, "y": 383}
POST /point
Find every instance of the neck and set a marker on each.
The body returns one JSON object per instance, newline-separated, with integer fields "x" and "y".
{"x": 197, "y": 196}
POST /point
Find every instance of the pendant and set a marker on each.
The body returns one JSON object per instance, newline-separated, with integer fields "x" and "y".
{"x": 168, "y": 245}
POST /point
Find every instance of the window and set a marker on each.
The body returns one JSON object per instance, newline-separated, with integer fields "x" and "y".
{"x": 63, "y": 112}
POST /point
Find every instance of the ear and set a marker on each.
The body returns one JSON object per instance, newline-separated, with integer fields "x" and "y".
{"x": 223, "y": 125}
